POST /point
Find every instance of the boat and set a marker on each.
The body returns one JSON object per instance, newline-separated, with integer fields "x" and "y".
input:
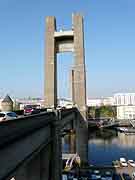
{"x": 123, "y": 129}
{"x": 131, "y": 163}
{"x": 123, "y": 162}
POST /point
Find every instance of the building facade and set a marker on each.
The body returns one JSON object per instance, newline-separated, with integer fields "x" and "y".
{"x": 125, "y": 103}
{"x": 108, "y": 101}
{"x": 124, "y": 99}
{"x": 125, "y": 112}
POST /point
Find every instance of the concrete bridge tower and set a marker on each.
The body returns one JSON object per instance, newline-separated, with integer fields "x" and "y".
{"x": 68, "y": 41}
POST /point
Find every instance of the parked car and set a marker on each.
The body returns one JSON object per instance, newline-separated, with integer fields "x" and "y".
{"x": 31, "y": 109}
{"x": 123, "y": 162}
{"x": 69, "y": 106}
{"x": 131, "y": 162}
{"x": 7, "y": 116}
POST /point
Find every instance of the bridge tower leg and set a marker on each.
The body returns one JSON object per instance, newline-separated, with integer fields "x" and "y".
{"x": 50, "y": 64}
{"x": 68, "y": 41}
{"x": 56, "y": 152}
{"x": 80, "y": 89}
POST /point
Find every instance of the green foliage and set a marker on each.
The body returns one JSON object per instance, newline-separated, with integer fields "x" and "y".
{"x": 103, "y": 111}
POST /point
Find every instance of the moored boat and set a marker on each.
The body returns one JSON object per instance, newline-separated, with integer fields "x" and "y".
{"x": 123, "y": 162}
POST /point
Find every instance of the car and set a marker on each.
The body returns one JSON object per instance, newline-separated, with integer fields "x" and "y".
{"x": 131, "y": 163}
{"x": 69, "y": 106}
{"x": 31, "y": 109}
{"x": 7, "y": 116}
{"x": 123, "y": 162}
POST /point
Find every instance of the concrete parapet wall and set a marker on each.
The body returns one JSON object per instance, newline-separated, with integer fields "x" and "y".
{"x": 23, "y": 138}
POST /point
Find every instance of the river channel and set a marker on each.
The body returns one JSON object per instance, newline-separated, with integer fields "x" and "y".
{"x": 104, "y": 146}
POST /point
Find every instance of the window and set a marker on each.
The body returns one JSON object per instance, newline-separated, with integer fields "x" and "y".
{"x": 12, "y": 114}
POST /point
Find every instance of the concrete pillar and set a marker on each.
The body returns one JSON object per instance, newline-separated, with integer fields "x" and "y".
{"x": 50, "y": 64}
{"x": 72, "y": 141}
{"x": 76, "y": 45}
{"x": 82, "y": 139}
{"x": 79, "y": 70}
{"x": 80, "y": 90}
{"x": 73, "y": 88}
{"x": 56, "y": 151}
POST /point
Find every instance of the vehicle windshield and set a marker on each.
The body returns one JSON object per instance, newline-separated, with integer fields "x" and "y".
{"x": 28, "y": 107}
{"x": 31, "y": 106}
{"x": 12, "y": 114}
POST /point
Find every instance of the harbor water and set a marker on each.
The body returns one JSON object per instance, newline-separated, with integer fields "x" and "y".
{"x": 104, "y": 146}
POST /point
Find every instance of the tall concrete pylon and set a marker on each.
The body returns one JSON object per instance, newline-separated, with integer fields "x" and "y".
{"x": 67, "y": 41}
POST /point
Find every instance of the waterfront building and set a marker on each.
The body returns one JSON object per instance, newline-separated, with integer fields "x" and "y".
{"x": 94, "y": 102}
{"x": 124, "y": 99}
{"x": 108, "y": 101}
{"x": 125, "y": 103}
{"x": 125, "y": 112}
{"x": 7, "y": 104}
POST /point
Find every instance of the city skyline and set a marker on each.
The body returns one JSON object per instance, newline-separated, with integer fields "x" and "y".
{"x": 109, "y": 46}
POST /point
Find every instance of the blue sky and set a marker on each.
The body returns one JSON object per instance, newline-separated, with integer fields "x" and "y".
{"x": 109, "y": 45}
